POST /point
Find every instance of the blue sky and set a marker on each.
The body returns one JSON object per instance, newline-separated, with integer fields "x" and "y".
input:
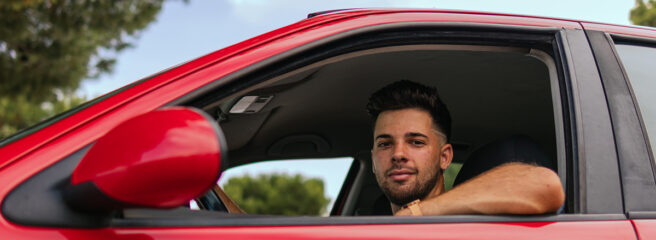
{"x": 186, "y": 31}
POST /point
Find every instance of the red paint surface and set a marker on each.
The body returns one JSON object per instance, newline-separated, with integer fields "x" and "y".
{"x": 597, "y": 230}
{"x": 645, "y": 229}
{"x": 636, "y": 31}
{"x": 162, "y": 158}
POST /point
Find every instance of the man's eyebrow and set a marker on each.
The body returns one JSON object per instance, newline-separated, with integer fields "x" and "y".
{"x": 415, "y": 134}
{"x": 383, "y": 136}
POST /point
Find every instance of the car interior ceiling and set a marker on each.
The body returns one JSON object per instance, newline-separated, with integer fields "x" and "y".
{"x": 318, "y": 111}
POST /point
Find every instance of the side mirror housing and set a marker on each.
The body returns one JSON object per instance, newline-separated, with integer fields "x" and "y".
{"x": 160, "y": 159}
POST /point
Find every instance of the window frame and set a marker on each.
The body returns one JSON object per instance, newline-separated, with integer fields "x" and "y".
{"x": 635, "y": 155}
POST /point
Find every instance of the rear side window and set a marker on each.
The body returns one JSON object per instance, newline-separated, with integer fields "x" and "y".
{"x": 639, "y": 64}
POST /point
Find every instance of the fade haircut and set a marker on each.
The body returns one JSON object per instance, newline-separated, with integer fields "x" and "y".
{"x": 407, "y": 94}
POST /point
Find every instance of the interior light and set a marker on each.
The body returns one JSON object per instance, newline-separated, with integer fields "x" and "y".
{"x": 250, "y": 104}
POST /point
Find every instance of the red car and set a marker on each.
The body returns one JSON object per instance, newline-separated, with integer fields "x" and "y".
{"x": 113, "y": 167}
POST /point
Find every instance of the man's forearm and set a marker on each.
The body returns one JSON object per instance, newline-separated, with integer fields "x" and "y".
{"x": 513, "y": 188}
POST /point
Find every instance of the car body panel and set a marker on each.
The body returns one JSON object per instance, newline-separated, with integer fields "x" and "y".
{"x": 27, "y": 156}
{"x": 532, "y": 230}
{"x": 645, "y": 229}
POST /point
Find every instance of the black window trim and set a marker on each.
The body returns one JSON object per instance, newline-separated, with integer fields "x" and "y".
{"x": 645, "y": 42}
{"x": 598, "y": 172}
{"x": 634, "y": 152}
{"x": 219, "y": 219}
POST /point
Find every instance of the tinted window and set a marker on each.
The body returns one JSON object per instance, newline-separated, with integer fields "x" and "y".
{"x": 639, "y": 64}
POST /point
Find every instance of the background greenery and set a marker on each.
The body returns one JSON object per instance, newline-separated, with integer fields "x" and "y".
{"x": 278, "y": 194}
{"x": 644, "y": 13}
{"x": 48, "y": 47}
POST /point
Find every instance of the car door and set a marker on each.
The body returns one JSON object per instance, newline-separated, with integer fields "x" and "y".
{"x": 586, "y": 149}
{"x": 624, "y": 57}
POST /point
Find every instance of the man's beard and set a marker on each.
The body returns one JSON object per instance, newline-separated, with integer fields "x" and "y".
{"x": 420, "y": 190}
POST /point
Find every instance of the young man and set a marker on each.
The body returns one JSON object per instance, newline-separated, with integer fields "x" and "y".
{"x": 411, "y": 150}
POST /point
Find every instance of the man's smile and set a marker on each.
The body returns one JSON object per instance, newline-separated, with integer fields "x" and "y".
{"x": 402, "y": 174}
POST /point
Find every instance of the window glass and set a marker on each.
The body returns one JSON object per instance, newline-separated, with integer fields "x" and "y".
{"x": 331, "y": 172}
{"x": 638, "y": 62}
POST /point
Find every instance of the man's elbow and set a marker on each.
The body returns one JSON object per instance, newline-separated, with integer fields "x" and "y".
{"x": 549, "y": 195}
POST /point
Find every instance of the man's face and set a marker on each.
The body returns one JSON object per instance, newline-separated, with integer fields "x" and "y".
{"x": 409, "y": 155}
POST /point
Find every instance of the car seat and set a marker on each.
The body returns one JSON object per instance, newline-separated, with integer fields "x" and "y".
{"x": 518, "y": 148}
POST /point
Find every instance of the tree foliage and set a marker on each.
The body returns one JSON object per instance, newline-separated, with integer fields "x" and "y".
{"x": 278, "y": 194}
{"x": 47, "y": 47}
{"x": 18, "y": 112}
{"x": 644, "y": 13}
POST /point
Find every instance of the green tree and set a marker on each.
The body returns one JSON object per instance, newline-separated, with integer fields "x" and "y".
{"x": 18, "y": 112}
{"x": 278, "y": 194}
{"x": 55, "y": 44}
{"x": 47, "y": 47}
{"x": 644, "y": 13}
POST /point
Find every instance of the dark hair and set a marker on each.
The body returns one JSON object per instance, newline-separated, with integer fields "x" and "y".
{"x": 407, "y": 94}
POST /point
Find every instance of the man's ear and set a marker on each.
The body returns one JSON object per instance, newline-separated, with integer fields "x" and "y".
{"x": 446, "y": 156}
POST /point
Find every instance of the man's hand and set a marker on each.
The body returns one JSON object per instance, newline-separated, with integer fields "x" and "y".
{"x": 403, "y": 212}
{"x": 512, "y": 188}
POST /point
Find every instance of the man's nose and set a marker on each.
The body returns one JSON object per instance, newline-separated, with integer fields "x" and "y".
{"x": 399, "y": 152}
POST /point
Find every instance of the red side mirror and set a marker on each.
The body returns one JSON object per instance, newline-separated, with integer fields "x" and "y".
{"x": 159, "y": 159}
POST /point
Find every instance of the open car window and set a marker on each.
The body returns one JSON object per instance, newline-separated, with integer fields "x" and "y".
{"x": 318, "y": 110}
{"x": 312, "y": 106}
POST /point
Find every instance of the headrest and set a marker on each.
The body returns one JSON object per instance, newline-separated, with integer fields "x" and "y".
{"x": 518, "y": 148}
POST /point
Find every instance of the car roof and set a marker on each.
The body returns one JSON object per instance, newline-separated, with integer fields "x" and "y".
{"x": 637, "y": 30}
